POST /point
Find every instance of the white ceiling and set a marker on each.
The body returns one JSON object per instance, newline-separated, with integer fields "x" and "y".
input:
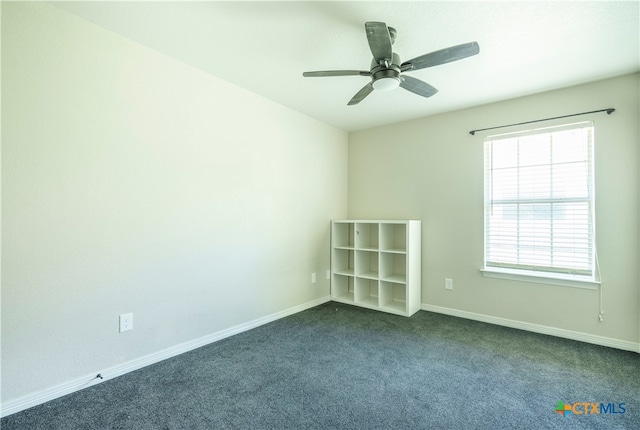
{"x": 525, "y": 48}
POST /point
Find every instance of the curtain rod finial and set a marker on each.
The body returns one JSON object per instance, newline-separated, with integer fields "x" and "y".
{"x": 610, "y": 111}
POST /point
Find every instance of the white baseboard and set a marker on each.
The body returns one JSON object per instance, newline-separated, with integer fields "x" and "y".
{"x": 536, "y": 328}
{"x": 42, "y": 396}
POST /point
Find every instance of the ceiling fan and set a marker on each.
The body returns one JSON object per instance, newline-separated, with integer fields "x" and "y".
{"x": 387, "y": 72}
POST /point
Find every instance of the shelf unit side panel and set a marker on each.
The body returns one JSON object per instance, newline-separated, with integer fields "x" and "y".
{"x": 414, "y": 266}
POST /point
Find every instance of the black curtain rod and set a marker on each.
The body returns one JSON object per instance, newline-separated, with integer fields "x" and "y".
{"x": 609, "y": 111}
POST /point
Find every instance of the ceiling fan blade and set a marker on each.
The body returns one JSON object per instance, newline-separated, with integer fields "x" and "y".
{"x": 360, "y": 95}
{"x": 442, "y": 56}
{"x": 379, "y": 41}
{"x": 336, "y": 73}
{"x": 417, "y": 86}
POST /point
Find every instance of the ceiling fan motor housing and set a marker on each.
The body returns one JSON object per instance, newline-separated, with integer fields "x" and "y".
{"x": 386, "y": 75}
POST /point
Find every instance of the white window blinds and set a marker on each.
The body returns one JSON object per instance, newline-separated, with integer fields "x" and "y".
{"x": 539, "y": 201}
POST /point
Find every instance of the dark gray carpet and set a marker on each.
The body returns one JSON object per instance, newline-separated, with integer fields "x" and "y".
{"x": 342, "y": 367}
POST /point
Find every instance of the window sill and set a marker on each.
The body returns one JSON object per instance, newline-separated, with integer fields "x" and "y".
{"x": 567, "y": 281}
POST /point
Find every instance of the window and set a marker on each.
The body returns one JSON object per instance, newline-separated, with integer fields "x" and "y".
{"x": 539, "y": 203}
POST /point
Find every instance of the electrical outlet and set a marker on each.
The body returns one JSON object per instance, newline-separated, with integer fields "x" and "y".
{"x": 313, "y": 278}
{"x": 448, "y": 284}
{"x": 328, "y": 274}
{"x": 126, "y": 322}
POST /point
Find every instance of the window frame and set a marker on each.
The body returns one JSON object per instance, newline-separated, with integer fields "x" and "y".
{"x": 530, "y": 273}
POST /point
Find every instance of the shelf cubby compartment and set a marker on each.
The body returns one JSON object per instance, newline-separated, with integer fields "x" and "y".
{"x": 367, "y": 264}
{"x": 343, "y": 235}
{"x": 393, "y": 267}
{"x": 343, "y": 262}
{"x": 393, "y": 237}
{"x": 393, "y": 296}
{"x": 367, "y": 235}
{"x": 342, "y": 288}
{"x": 366, "y": 292}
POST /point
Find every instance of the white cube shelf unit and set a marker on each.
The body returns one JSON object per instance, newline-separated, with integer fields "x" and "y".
{"x": 376, "y": 264}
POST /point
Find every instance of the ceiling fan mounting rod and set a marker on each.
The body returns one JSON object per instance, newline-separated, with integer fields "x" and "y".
{"x": 392, "y": 34}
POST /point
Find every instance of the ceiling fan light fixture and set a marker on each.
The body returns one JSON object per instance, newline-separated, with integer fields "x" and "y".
{"x": 387, "y": 83}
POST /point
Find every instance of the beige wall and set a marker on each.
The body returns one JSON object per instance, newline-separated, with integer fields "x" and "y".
{"x": 134, "y": 183}
{"x": 432, "y": 169}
